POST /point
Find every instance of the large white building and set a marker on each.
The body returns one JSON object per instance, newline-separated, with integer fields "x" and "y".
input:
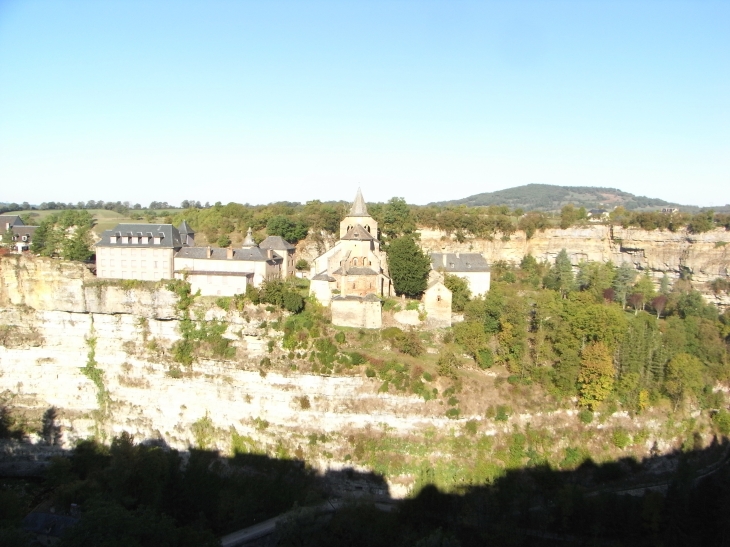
{"x": 154, "y": 252}
{"x": 472, "y": 267}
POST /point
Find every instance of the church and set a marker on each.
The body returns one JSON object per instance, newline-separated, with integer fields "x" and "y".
{"x": 353, "y": 275}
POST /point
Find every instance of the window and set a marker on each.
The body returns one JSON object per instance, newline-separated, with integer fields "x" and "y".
{"x": 134, "y": 263}
{"x": 438, "y": 298}
{"x": 124, "y": 263}
{"x": 142, "y": 263}
{"x": 156, "y": 264}
{"x": 354, "y": 261}
{"x": 111, "y": 262}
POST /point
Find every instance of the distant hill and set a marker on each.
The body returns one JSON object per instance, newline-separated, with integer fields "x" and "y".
{"x": 547, "y": 197}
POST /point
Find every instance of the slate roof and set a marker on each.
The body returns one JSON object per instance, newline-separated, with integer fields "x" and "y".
{"x": 356, "y": 271}
{"x": 48, "y": 524}
{"x": 461, "y": 262}
{"x": 276, "y": 243}
{"x": 214, "y": 272}
{"x": 24, "y": 230}
{"x": 170, "y": 236}
{"x": 14, "y": 221}
{"x": 324, "y": 276}
{"x": 367, "y": 298}
{"x": 249, "y": 253}
{"x": 358, "y": 233}
{"x": 358, "y": 209}
{"x": 185, "y": 228}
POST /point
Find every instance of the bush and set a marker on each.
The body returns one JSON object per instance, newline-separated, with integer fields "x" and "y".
{"x": 471, "y": 427}
{"x": 585, "y": 416}
{"x": 485, "y": 358}
{"x": 357, "y": 358}
{"x": 340, "y": 337}
{"x": 302, "y": 265}
{"x": 621, "y": 439}
{"x": 503, "y": 413}
{"x": 453, "y": 413}
{"x": 370, "y": 372}
{"x": 721, "y": 420}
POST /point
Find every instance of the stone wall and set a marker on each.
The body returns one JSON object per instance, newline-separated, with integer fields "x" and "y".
{"x": 357, "y": 312}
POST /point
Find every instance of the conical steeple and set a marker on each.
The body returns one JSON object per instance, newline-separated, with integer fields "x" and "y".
{"x": 248, "y": 240}
{"x": 358, "y": 208}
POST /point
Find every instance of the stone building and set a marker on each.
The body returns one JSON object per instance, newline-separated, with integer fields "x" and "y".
{"x": 138, "y": 251}
{"x": 437, "y": 302}
{"x": 352, "y": 275}
{"x": 225, "y": 272}
{"x": 472, "y": 267}
{"x": 21, "y": 234}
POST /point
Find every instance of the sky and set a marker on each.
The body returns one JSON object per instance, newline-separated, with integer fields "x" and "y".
{"x": 256, "y": 102}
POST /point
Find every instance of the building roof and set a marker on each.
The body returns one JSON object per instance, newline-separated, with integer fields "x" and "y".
{"x": 48, "y": 524}
{"x": 216, "y": 253}
{"x": 459, "y": 262}
{"x": 355, "y": 270}
{"x": 169, "y": 234}
{"x": 214, "y": 272}
{"x": 276, "y": 243}
{"x": 367, "y": 298}
{"x": 185, "y": 228}
{"x": 248, "y": 240}
{"x": 324, "y": 276}
{"x": 24, "y": 230}
{"x": 13, "y": 220}
{"x": 358, "y": 233}
{"x": 358, "y": 209}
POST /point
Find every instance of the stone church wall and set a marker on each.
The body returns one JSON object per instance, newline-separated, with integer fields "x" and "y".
{"x": 356, "y": 312}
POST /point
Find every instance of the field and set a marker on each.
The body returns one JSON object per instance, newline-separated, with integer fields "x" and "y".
{"x": 104, "y": 219}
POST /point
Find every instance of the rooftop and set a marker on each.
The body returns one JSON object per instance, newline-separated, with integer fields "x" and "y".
{"x": 459, "y": 262}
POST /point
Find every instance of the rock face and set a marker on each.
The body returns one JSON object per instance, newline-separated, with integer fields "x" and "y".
{"x": 705, "y": 256}
{"x": 51, "y": 311}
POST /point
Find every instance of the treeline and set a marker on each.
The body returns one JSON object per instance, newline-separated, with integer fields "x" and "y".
{"x": 66, "y": 234}
{"x": 604, "y": 335}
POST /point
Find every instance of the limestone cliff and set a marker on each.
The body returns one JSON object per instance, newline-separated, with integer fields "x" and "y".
{"x": 704, "y": 256}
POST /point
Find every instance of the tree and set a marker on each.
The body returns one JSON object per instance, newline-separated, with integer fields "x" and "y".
{"x": 560, "y": 277}
{"x": 645, "y": 287}
{"x": 397, "y": 219}
{"x": 224, "y": 241}
{"x": 471, "y": 336}
{"x": 625, "y": 275}
{"x": 596, "y": 375}
{"x": 409, "y": 267}
{"x": 460, "y": 292}
{"x": 302, "y": 265}
{"x": 659, "y": 304}
{"x": 684, "y": 377}
{"x": 290, "y": 230}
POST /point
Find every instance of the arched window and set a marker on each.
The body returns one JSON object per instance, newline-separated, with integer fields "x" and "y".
{"x": 354, "y": 261}
{"x": 438, "y": 298}
{"x": 367, "y": 227}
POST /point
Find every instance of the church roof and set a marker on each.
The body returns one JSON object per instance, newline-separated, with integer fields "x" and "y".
{"x": 358, "y": 233}
{"x": 324, "y": 276}
{"x": 276, "y": 243}
{"x": 355, "y": 270}
{"x": 358, "y": 208}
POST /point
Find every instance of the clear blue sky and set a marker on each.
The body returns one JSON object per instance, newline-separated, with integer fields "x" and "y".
{"x": 268, "y": 101}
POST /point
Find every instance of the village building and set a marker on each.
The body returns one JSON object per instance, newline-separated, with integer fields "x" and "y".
{"x": 225, "y": 272}
{"x": 352, "y": 275}
{"x": 161, "y": 251}
{"x": 472, "y": 267}
{"x": 21, "y": 234}
{"x": 437, "y": 300}
{"x": 138, "y": 251}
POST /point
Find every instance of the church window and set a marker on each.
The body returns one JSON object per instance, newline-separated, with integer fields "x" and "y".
{"x": 438, "y": 298}
{"x": 367, "y": 227}
{"x": 354, "y": 261}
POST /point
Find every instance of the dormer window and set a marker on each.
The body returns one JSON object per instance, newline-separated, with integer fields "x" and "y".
{"x": 125, "y": 239}
{"x": 451, "y": 264}
{"x": 157, "y": 240}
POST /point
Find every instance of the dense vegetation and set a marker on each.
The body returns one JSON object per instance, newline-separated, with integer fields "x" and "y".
{"x": 572, "y": 334}
{"x": 66, "y": 234}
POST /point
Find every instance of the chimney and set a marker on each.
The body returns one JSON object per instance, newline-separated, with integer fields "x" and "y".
{"x": 208, "y": 251}
{"x": 270, "y": 253}
{"x": 443, "y": 259}
{"x": 229, "y": 253}
{"x": 457, "y": 255}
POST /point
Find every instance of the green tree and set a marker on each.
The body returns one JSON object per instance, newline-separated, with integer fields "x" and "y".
{"x": 471, "y": 336}
{"x": 290, "y": 230}
{"x": 560, "y": 277}
{"x": 409, "y": 267}
{"x": 397, "y": 219}
{"x": 684, "y": 377}
{"x": 596, "y": 375}
{"x": 625, "y": 275}
{"x": 460, "y": 292}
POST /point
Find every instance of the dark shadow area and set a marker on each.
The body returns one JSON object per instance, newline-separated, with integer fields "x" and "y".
{"x": 146, "y": 494}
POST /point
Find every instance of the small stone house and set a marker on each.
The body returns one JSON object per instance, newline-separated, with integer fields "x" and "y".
{"x": 437, "y": 302}
{"x": 472, "y": 267}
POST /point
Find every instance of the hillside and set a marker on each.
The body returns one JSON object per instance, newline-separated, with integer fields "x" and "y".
{"x": 548, "y": 197}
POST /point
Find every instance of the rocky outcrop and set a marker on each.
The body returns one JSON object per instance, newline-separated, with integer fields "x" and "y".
{"x": 705, "y": 256}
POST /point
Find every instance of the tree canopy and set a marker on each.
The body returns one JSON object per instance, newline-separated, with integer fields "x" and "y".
{"x": 409, "y": 267}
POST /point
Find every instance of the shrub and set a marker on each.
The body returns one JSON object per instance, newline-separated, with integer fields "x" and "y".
{"x": 304, "y": 403}
{"x": 585, "y": 416}
{"x": 721, "y": 420}
{"x": 621, "y": 439}
{"x": 428, "y": 376}
{"x": 340, "y": 337}
{"x": 453, "y": 413}
{"x": 471, "y": 427}
{"x": 485, "y": 359}
{"x": 302, "y": 264}
{"x": 370, "y": 372}
{"x": 357, "y": 358}
{"x": 503, "y": 413}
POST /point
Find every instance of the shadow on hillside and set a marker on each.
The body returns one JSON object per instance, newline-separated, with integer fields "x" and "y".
{"x": 146, "y": 491}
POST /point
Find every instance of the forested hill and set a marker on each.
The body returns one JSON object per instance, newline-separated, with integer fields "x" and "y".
{"x": 548, "y": 197}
